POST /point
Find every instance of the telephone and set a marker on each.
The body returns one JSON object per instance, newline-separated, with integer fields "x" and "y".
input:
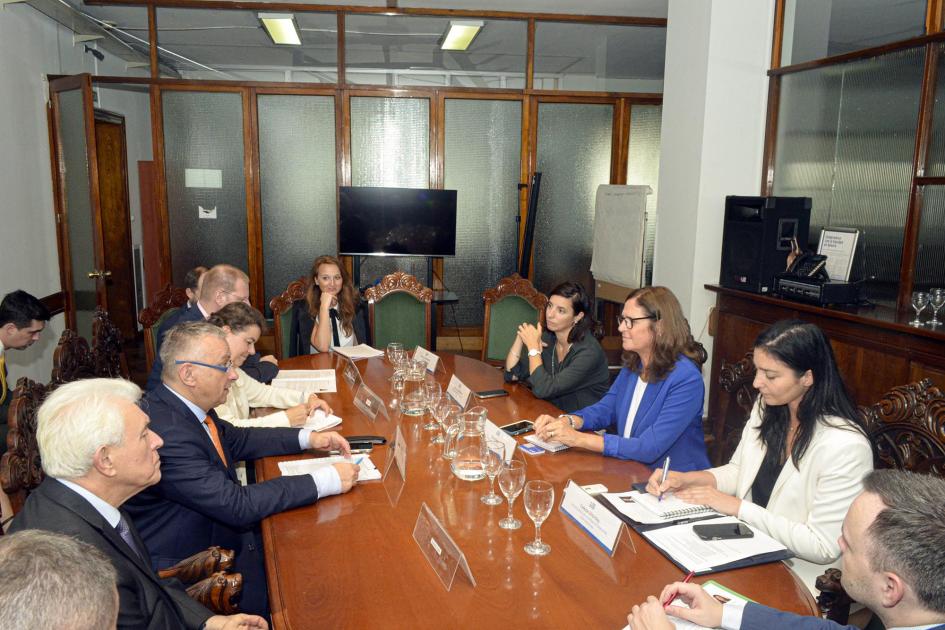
{"x": 809, "y": 266}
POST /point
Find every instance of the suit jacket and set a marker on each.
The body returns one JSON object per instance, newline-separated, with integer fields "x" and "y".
{"x": 758, "y": 617}
{"x": 262, "y": 371}
{"x": 5, "y": 409}
{"x": 668, "y": 421}
{"x": 145, "y": 601}
{"x": 199, "y": 501}
{"x": 303, "y": 324}
{"x": 807, "y": 504}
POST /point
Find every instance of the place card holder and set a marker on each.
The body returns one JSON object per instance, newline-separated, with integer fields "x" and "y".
{"x": 603, "y": 526}
{"x": 351, "y": 373}
{"x": 431, "y": 360}
{"x": 369, "y": 403}
{"x": 397, "y": 453}
{"x": 458, "y": 392}
{"x": 439, "y": 549}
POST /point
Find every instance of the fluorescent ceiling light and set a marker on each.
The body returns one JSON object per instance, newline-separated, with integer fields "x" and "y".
{"x": 281, "y": 28}
{"x": 461, "y": 34}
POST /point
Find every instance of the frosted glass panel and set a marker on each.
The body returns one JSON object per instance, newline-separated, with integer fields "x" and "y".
{"x": 574, "y": 159}
{"x": 297, "y": 185}
{"x": 935, "y": 165}
{"x": 846, "y": 135}
{"x": 203, "y": 133}
{"x": 77, "y": 193}
{"x": 823, "y": 28}
{"x": 643, "y": 168}
{"x": 483, "y": 144}
{"x": 390, "y": 146}
{"x": 930, "y": 260}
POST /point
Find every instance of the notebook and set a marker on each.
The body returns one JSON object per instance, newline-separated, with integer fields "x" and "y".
{"x": 552, "y": 446}
{"x": 671, "y": 508}
{"x": 630, "y": 505}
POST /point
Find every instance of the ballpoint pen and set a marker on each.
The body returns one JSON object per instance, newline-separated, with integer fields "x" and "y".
{"x": 685, "y": 581}
{"x": 663, "y": 480}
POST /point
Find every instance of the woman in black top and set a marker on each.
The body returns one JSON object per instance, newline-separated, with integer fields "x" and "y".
{"x": 563, "y": 364}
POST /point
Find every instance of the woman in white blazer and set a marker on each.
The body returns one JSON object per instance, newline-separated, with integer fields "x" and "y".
{"x": 802, "y": 456}
{"x": 243, "y": 325}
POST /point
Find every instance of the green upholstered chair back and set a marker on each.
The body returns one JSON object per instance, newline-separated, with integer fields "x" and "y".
{"x": 505, "y": 318}
{"x": 511, "y": 302}
{"x": 281, "y": 306}
{"x": 163, "y": 305}
{"x": 399, "y": 308}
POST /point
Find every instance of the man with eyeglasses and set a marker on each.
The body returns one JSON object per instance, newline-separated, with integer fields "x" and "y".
{"x": 221, "y": 285}
{"x": 199, "y": 501}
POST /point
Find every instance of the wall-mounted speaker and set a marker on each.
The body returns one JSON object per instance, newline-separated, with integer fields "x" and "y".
{"x": 757, "y": 238}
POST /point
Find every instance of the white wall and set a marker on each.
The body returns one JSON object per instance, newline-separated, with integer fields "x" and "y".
{"x": 31, "y": 46}
{"x": 717, "y": 55}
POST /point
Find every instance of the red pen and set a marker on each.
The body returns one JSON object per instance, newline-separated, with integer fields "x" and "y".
{"x": 685, "y": 581}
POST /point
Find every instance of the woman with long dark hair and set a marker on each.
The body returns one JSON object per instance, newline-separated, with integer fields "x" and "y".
{"x": 332, "y": 314}
{"x": 802, "y": 455}
{"x": 563, "y": 363}
{"x": 656, "y": 401}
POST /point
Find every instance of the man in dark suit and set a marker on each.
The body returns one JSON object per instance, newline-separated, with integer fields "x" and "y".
{"x": 199, "y": 501}
{"x": 22, "y": 320}
{"x": 49, "y": 580}
{"x": 893, "y": 544}
{"x": 97, "y": 451}
{"x": 221, "y": 285}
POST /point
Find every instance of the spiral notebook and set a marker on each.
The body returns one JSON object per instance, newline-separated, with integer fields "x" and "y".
{"x": 671, "y": 508}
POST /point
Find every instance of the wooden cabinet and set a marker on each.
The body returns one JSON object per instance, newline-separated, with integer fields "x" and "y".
{"x": 875, "y": 347}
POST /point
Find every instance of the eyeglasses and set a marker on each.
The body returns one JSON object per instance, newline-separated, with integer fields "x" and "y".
{"x": 628, "y": 321}
{"x": 244, "y": 300}
{"x": 222, "y": 368}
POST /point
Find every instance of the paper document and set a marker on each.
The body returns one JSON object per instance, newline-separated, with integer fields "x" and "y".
{"x": 552, "y": 445}
{"x": 714, "y": 589}
{"x": 360, "y": 351}
{"x": 317, "y": 381}
{"x": 369, "y": 471}
{"x": 319, "y": 420}
{"x": 695, "y": 554}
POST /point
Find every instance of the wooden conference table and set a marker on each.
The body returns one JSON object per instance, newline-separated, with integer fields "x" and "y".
{"x": 350, "y": 561}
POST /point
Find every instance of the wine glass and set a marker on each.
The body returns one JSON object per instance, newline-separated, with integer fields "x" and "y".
{"x": 539, "y": 498}
{"x": 396, "y": 389}
{"x": 493, "y": 456}
{"x": 936, "y": 301}
{"x": 511, "y": 480}
{"x": 441, "y": 409}
{"x": 431, "y": 393}
{"x": 394, "y": 349}
{"x": 920, "y": 300}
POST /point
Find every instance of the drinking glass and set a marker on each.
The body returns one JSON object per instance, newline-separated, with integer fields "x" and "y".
{"x": 441, "y": 409}
{"x": 937, "y": 301}
{"x": 396, "y": 389}
{"x": 511, "y": 480}
{"x": 920, "y": 300}
{"x": 539, "y": 498}
{"x": 394, "y": 349}
{"x": 493, "y": 456}
{"x": 431, "y": 393}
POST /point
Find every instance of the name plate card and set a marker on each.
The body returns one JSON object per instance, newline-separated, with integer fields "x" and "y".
{"x": 602, "y": 525}
{"x": 431, "y": 360}
{"x": 369, "y": 403}
{"x": 439, "y": 549}
{"x": 397, "y": 452}
{"x": 458, "y": 392}
{"x": 492, "y": 432}
{"x": 351, "y": 373}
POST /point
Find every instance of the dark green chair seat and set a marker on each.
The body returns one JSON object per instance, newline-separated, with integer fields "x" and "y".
{"x": 399, "y": 309}
{"x": 512, "y": 302}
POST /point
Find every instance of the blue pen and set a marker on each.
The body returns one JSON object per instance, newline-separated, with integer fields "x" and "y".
{"x": 663, "y": 480}
{"x": 358, "y": 463}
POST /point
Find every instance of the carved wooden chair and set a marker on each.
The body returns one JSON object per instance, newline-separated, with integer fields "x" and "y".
{"x": 736, "y": 380}
{"x": 73, "y": 359}
{"x": 907, "y": 430}
{"x": 21, "y": 472}
{"x": 163, "y": 305}
{"x": 399, "y": 308}
{"x": 507, "y": 305}
{"x": 281, "y": 306}
{"x": 107, "y": 356}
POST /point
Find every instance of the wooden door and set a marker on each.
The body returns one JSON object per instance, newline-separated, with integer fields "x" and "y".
{"x": 111, "y": 153}
{"x": 76, "y": 184}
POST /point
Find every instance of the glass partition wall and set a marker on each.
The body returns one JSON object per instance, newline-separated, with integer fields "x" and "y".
{"x": 253, "y": 138}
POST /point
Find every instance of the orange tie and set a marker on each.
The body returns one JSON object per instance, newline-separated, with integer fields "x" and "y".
{"x": 215, "y": 437}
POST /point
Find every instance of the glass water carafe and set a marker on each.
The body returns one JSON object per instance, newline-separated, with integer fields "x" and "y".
{"x": 413, "y": 402}
{"x": 467, "y": 446}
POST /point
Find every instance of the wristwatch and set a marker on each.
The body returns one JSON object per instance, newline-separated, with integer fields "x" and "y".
{"x": 569, "y": 417}
{"x": 534, "y": 352}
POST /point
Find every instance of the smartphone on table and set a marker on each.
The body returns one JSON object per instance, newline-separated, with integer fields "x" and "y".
{"x": 722, "y": 531}
{"x": 491, "y": 393}
{"x": 518, "y": 428}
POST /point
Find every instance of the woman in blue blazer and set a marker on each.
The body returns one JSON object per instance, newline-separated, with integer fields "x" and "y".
{"x": 654, "y": 408}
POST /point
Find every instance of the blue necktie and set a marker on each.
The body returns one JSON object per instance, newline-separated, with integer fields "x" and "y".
{"x": 125, "y": 532}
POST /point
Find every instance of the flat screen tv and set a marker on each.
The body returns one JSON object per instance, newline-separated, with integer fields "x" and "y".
{"x": 396, "y": 222}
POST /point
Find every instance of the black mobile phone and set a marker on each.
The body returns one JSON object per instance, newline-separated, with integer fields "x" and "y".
{"x": 362, "y": 442}
{"x": 492, "y": 393}
{"x": 722, "y": 531}
{"x": 518, "y": 428}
